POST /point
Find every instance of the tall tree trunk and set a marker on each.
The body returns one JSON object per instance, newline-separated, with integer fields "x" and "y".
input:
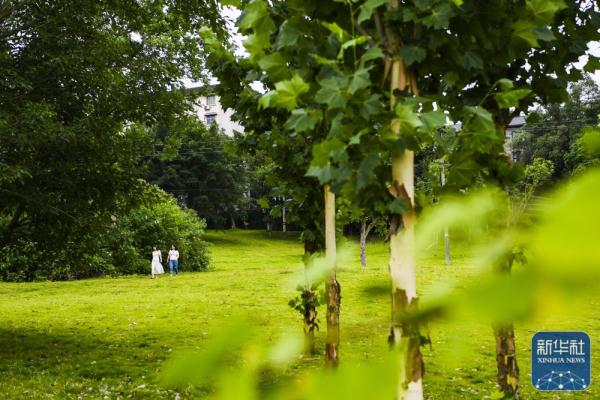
{"x": 363, "y": 242}
{"x": 506, "y": 350}
{"x": 332, "y": 287}
{"x": 447, "y": 246}
{"x": 504, "y": 333}
{"x": 283, "y": 221}
{"x": 446, "y": 235}
{"x": 365, "y": 229}
{"x": 309, "y": 298}
{"x": 506, "y": 359}
{"x": 402, "y": 265}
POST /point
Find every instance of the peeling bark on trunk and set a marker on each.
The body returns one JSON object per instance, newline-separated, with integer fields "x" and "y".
{"x": 506, "y": 350}
{"x": 504, "y": 333}
{"x": 310, "y": 311}
{"x": 332, "y": 286}
{"x": 506, "y": 358}
{"x": 405, "y": 336}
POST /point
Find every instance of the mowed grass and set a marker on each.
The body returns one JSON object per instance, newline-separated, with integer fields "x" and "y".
{"x": 108, "y": 338}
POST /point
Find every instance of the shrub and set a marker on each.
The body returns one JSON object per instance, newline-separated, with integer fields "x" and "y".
{"x": 110, "y": 246}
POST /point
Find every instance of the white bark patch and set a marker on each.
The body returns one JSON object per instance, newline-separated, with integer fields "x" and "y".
{"x": 414, "y": 391}
{"x": 402, "y": 262}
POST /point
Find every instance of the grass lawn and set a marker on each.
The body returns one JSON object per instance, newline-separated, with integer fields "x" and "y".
{"x": 107, "y": 338}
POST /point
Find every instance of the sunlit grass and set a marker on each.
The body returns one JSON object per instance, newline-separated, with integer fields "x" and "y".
{"x": 108, "y": 338}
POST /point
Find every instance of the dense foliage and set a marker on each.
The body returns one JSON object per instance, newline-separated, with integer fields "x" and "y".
{"x": 74, "y": 82}
{"x": 368, "y": 84}
{"x": 121, "y": 244}
{"x": 554, "y": 132}
{"x": 208, "y": 172}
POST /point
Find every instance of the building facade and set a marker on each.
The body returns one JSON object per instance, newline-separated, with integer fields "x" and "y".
{"x": 208, "y": 109}
{"x": 513, "y": 127}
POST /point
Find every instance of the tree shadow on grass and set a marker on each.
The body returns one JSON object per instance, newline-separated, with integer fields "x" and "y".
{"x": 76, "y": 354}
{"x": 377, "y": 290}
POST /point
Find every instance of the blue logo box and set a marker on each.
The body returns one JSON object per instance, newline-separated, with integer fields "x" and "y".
{"x": 560, "y": 361}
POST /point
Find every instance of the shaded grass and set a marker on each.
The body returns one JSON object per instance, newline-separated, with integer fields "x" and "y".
{"x": 108, "y": 338}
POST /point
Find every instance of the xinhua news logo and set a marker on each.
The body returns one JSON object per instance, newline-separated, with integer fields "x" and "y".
{"x": 560, "y": 361}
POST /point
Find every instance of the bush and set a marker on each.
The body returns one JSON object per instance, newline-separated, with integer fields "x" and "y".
{"x": 118, "y": 247}
{"x": 163, "y": 223}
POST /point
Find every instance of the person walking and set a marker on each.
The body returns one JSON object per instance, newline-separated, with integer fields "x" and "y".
{"x": 157, "y": 267}
{"x": 174, "y": 260}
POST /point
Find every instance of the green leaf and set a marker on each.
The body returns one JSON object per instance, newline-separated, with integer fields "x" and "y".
{"x": 288, "y": 35}
{"x": 330, "y": 93}
{"x": 323, "y": 60}
{"x": 327, "y": 151}
{"x": 462, "y": 168}
{"x": 433, "y": 120}
{"x": 450, "y": 78}
{"x": 523, "y": 29}
{"x": 590, "y": 140}
{"x": 373, "y": 53}
{"x": 371, "y": 107}
{"x": 412, "y": 54}
{"x": 592, "y": 65}
{"x": 288, "y": 91}
{"x": 472, "y": 61}
{"x": 360, "y": 80}
{"x": 255, "y": 45}
{"x": 440, "y": 16}
{"x": 366, "y": 169}
{"x": 301, "y": 121}
{"x": 264, "y": 203}
{"x": 356, "y": 138}
{"x": 366, "y": 10}
{"x": 510, "y": 98}
{"x": 480, "y": 119}
{"x": 336, "y": 30}
{"x": 544, "y": 33}
{"x": 351, "y": 43}
{"x": 232, "y": 3}
{"x": 544, "y": 10}
{"x": 324, "y": 155}
{"x": 505, "y": 84}
{"x": 423, "y": 4}
{"x": 408, "y": 119}
{"x": 256, "y": 17}
{"x": 274, "y": 65}
{"x": 267, "y": 100}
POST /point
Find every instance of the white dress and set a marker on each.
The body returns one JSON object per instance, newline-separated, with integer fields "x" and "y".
{"x": 157, "y": 267}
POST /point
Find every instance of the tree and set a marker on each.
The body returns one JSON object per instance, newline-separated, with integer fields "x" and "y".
{"x": 553, "y": 131}
{"x": 437, "y": 60}
{"x": 74, "y": 85}
{"x": 198, "y": 164}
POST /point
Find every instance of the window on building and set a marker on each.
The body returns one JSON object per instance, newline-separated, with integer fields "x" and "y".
{"x": 210, "y": 119}
{"x": 211, "y": 100}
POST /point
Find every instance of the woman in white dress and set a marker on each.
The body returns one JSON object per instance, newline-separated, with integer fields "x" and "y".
{"x": 157, "y": 267}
